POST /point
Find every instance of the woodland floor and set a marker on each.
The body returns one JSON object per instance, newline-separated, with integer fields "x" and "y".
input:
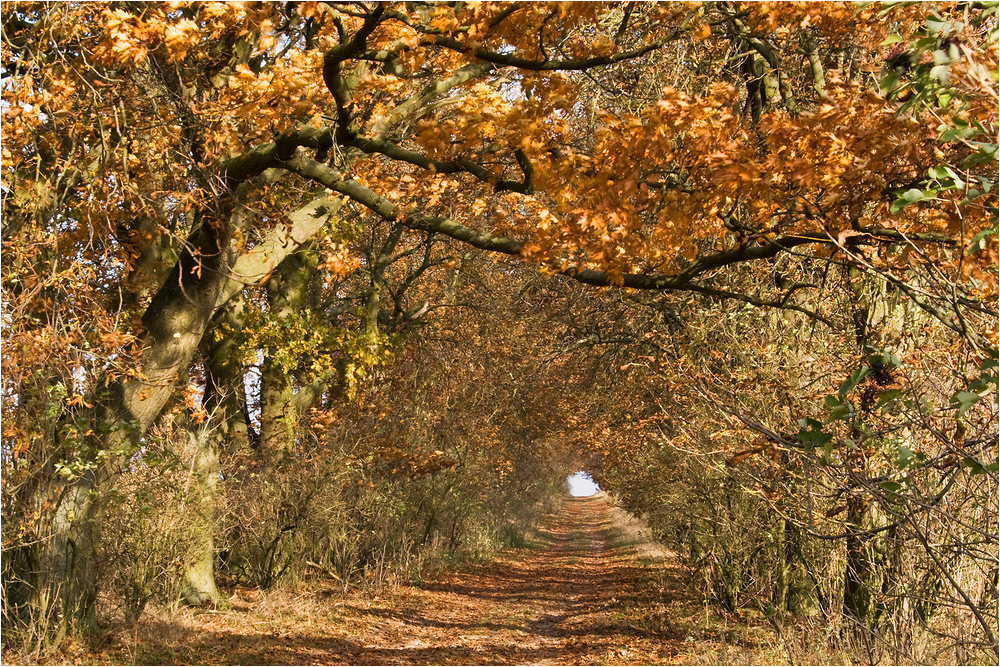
{"x": 586, "y": 592}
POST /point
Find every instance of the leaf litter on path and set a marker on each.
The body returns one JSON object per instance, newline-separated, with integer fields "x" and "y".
{"x": 584, "y": 595}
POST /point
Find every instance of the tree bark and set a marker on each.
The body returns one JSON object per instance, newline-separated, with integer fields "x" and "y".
{"x": 225, "y": 403}
{"x": 199, "y": 577}
{"x": 863, "y": 570}
{"x": 278, "y": 414}
{"x": 67, "y": 584}
{"x": 176, "y": 321}
{"x": 225, "y": 390}
{"x": 859, "y": 573}
{"x": 784, "y": 566}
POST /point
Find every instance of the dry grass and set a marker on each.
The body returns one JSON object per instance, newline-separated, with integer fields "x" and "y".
{"x": 594, "y": 588}
{"x": 591, "y": 590}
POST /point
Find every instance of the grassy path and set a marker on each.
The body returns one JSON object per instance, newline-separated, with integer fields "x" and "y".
{"x": 581, "y": 597}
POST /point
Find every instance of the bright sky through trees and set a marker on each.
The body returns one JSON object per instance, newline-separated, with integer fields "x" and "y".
{"x": 582, "y": 484}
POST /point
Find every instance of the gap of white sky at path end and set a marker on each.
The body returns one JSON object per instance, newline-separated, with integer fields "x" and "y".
{"x": 581, "y": 484}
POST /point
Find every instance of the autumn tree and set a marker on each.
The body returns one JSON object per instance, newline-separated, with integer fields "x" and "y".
{"x": 180, "y": 175}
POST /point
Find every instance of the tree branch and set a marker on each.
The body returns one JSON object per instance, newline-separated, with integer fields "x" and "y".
{"x": 746, "y": 298}
{"x": 332, "y": 75}
{"x": 407, "y": 108}
{"x": 510, "y": 60}
{"x": 321, "y": 173}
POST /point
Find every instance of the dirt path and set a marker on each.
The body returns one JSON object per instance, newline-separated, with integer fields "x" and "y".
{"x": 582, "y": 597}
{"x": 558, "y": 605}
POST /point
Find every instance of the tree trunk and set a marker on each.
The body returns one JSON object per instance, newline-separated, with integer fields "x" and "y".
{"x": 199, "y": 576}
{"x": 784, "y": 566}
{"x": 278, "y": 415}
{"x": 67, "y": 582}
{"x": 225, "y": 390}
{"x": 860, "y": 573}
{"x": 225, "y": 403}
{"x": 176, "y": 321}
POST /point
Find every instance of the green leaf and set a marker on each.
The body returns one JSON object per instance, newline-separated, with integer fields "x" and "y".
{"x": 979, "y": 240}
{"x": 977, "y": 467}
{"x": 958, "y": 131}
{"x": 938, "y": 172}
{"x": 810, "y": 423}
{"x": 988, "y": 377}
{"x": 840, "y": 413}
{"x": 889, "y": 81}
{"x": 903, "y": 456}
{"x": 937, "y": 26}
{"x": 887, "y": 398}
{"x": 970, "y": 196}
{"x": 941, "y": 73}
{"x": 892, "y": 487}
{"x": 852, "y": 381}
{"x": 813, "y": 436}
{"x": 889, "y": 6}
{"x": 941, "y": 57}
{"x": 986, "y": 153}
{"x": 963, "y": 400}
{"x": 886, "y": 358}
{"x": 925, "y": 43}
{"x": 956, "y": 181}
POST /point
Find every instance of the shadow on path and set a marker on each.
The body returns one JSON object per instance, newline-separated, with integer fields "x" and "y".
{"x": 579, "y": 599}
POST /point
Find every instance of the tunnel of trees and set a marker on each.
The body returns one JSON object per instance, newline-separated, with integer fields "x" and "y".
{"x": 348, "y": 287}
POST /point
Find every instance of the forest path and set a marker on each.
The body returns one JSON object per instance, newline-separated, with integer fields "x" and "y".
{"x": 584, "y": 595}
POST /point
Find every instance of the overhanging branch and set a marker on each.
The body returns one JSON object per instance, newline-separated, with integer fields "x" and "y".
{"x": 269, "y": 155}
{"x": 510, "y": 60}
{"x": 330, "y": 178}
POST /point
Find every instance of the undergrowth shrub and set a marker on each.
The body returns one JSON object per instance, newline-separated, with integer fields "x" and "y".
{"x": 148, "y": 537}
{"x": 355, "y": 520}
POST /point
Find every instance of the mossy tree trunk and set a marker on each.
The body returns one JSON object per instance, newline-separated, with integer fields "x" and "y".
{"x": 286, "y": 292}
{"x": 199, "y": 576}
{"x": 226, "y": 428}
